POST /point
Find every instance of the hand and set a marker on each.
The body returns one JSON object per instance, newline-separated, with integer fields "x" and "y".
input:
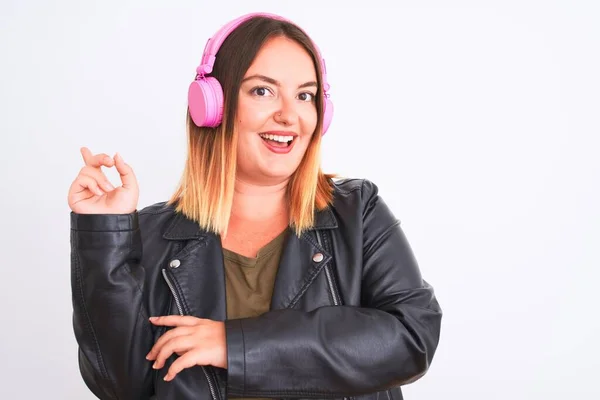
{"x": 197, "y": 341}
{"x": 92, "y": 193}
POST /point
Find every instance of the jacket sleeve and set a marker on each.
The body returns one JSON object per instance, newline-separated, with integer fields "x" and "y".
{"x": 337, "y": 351}
{"x": 110, "y": 321}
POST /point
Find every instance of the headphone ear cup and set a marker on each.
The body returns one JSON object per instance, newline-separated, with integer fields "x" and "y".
{"x": 205, "y": 102}
{"x": 327, "y": 114}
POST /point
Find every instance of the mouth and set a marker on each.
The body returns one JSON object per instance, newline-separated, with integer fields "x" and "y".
{"x": 278, "y": 140}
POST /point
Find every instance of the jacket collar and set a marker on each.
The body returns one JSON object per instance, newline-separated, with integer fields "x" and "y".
{"x": 183, "y": 228}
{"x": 201, "y": 285}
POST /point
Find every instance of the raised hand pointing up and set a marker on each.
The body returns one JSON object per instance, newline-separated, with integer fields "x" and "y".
{"x": 92, "y": 193}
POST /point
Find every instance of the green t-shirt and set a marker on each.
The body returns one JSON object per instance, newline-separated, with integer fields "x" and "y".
{"x": 249, "y": 281}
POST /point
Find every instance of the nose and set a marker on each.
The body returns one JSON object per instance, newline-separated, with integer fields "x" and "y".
{"x": 287, "y": 114}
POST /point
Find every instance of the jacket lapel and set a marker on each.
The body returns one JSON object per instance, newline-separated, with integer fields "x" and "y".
{"x": 301, "y": 261}
{"x": 197, "y": 274}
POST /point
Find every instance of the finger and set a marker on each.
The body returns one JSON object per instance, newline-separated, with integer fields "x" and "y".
{"x": 97, "y": 160}
{"x": 126, "y": 172}
{"x": 176, "y": 320}
{"x": 171, "y": 334}
{"x": 85, "y": 185}
{"x": 99, "y": 176}
{"x": 177, "y": 345}
{"x": 187, "y": 360}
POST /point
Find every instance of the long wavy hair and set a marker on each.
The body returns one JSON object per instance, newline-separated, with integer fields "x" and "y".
{"x": 206, "y": 188}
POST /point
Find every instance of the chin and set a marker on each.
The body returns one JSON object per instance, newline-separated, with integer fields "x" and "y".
{"x": 277, "y": 172}
{"x": 278, "y": 175}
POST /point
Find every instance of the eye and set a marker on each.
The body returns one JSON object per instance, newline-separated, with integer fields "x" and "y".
{"x": 306, "y": 96}
{"x": 260, "y": 91}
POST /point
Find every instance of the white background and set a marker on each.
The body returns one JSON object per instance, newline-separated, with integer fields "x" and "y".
{"x": 478, "y": 120}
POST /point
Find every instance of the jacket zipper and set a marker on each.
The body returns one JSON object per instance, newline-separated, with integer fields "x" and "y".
{"x": 336, "y": 302}
{"x": 180, "y": 309}
{"x": 334, "y": 293}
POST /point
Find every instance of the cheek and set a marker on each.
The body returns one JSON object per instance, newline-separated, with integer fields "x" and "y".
{"x": 309, "y": 118}
{"x": 252, "y": 116}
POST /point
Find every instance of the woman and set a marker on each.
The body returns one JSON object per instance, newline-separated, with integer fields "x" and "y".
{"x": 262, "y": 276}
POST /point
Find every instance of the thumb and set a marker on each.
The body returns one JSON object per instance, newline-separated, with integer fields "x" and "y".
{"x": 126, "y": 172}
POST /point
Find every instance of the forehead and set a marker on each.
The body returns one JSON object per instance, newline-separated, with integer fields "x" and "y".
{"x": 285, "y": 60}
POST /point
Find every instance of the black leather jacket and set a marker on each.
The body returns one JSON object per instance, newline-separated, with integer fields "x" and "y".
{"x": 350, "y": 316}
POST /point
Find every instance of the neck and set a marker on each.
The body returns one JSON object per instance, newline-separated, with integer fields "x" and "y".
{"x": 254, "y": 202}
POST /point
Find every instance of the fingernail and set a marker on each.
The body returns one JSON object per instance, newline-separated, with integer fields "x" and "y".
{"x": 109, "y": 186}
{"x": 154, "y": 365}
{"x": 153, "y": 318}
{"x": 166, "y": 378}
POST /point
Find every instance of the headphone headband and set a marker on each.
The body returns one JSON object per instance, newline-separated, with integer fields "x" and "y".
{"x": 214, "y": 44}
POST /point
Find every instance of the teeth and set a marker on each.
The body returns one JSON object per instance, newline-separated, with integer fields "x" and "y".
{"x": 278, "y": 138}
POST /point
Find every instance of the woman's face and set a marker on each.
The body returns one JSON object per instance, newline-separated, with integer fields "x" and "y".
{"x": 277, "y": 112}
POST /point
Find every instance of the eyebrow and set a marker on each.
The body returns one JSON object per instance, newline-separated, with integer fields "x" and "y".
{"x": 275, "y": 82}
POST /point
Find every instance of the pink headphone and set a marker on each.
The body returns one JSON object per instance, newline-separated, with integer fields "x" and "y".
{"x": 205, "y": 94}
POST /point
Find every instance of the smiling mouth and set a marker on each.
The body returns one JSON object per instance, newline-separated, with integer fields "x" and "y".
{"x": 277, "y": 140}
